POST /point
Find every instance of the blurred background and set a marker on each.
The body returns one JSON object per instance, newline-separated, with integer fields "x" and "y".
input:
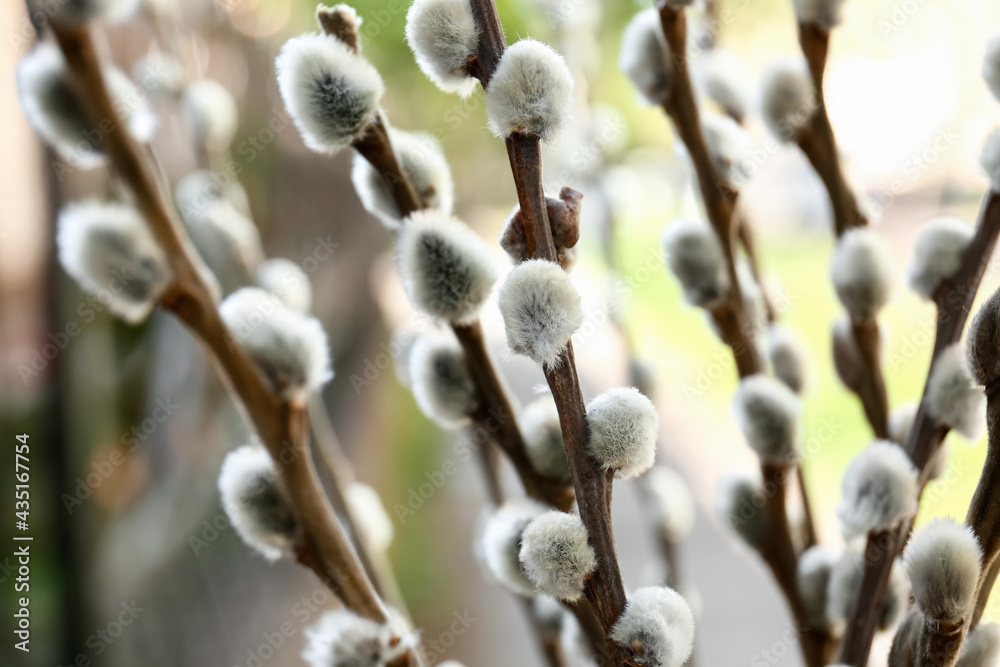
{"x": 128, "y": 425}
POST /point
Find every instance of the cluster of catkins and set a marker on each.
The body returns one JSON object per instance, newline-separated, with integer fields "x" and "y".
{"x": 449, "y": 273}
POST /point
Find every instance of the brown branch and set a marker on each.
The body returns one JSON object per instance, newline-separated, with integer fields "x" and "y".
{"x": 983, "y": 517}
{"x": 954, "y": 301}
{"x": 871, "y": 389}
{"x": 282, "y": 426}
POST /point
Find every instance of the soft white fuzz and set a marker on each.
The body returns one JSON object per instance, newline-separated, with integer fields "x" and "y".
{"x": 54, "y": 112}
{"x": 878, "y": 490}
{"x": 656, "y": 627}
{"x": 444, "y": 36}
{"x": 210, "y": 112}
{"x": 739, "y": 505}
{"x": 255, "y": 501}
{"x": 823, "y": 13}
{"x": 370, "y": 517}
{"x": 286, "y": 280}
{"x": 989, "y": 159}
{"x": 942, "y": 561}
{"x": 422, "y": 161}
{"x": 289, "y": 348}
{"x": 225, "y": 238}
{"x": 623, "y": 430}
{"x": 199, "y": 188}
{"x": 952, "y": 397}
{"x": 669, "y": 500}
{"x": 548, "y": 613}
{"x": 341, "y": 638}
{"x": 845, "y": 581}
{"x": 728, "y": 145}
{"x": 720, "y": 75}
{"x": 531, "y": 91}
{"x": 556, "y": 556}
{"x": 542, "y": 434}
{"x": 789, "y": 357}
{"x": 981, "y": 647}
{"x": 159, "y": 73}
{"x": 861, "y": 270}
{"x": 77, "y": 12}
{"x": 643, "y": 57}
{"x": 787, "y": 98}
{"x": 813, "y": 577}
{"x": 501, "y": 543}
{"x": 447, "y": 269}
{"x": 937, "y": 254}
{"x": 331, "y": 92}
{"x": 983, "y": 341}
{"x": 440, "y": 380}
{"x": 991, "y": 66}
{"x": 111, "y": 252}
{"x": 901, "y": 421}
{"x": 767, "y": 412}
{"x": 575, "y": 646}
{"x": 541, "y": 310}
{"x": 693, "y": 253}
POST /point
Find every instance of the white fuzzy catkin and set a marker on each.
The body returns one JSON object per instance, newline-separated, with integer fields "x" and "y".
{"x": 643, "y": 57}
{"x": 501, "y": 543}
{"x": 210, "y": 112}
{"x": 255, "y": 501}
{"x": 788, "y": 356}
{"x": 901, "y": 421}
{"x": 53, "y": 110}
{"x": 989, "y": 159}
{"x": 822, "y": 13}
{"x": 787, "y": 98}
{"x": 669, "y": 500}
{"x": 720, "y": 76}
{"x": 370, "y": 517}
{"x": 937, "y": 254}
{"x": 879, "y": 489}
{"x": 728, "y": 145}
{"x": 112, "y": 253}
{"x": 942, "y": 561}
{"x": 286, "y": 280}
{"x": 531, "y": 91}
{"x": 656, "y": 627}
{"x": 424, "y": 165}
{"x": 861, "y": 270}
{"x": 981, "y": 647}
{"x": 289, "y": 348}
{"x": 77, "y": 12}
{"x": 739, "y": 505}
{"x": 952, "y": 397}
{"x": 556, "y": 556}
{"x": 341, "y": 638}
{"x": 159, "y": 73}
{"x": 768, "y": 412}
{"x": 623, "y": 430}
{"x": 813, "y": 580}
{"x": 447, "y": 268}
{"x": 693, "y": 253}
{"x": 444, "y": 36}
{"x": 845, "y": 581}
{"x": 991, "y": 66}
{"x": 541, "y": 310}
{"x": 543, "y": 439}
{"x": 440, "y": 380}
{"x": 331, "y": 92}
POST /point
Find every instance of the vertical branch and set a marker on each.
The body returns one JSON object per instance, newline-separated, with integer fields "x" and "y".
{"x": 282, "y": 426}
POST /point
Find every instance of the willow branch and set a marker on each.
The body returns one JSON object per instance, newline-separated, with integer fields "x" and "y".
{"x": 281, "y": 425}
{"x": 983, "y": 517}
{"x": 954, "y": 301}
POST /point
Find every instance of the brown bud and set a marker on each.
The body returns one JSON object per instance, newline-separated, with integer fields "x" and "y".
{"x": 847, "y": 357}
{"x": 564, "y": 221}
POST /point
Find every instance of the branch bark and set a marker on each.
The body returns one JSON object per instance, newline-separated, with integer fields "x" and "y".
{"x": 281, "y": 425}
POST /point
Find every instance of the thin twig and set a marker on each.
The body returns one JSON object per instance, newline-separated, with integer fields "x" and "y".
{"x": 281, "y": 425}
{"x": 954, "y": 301}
